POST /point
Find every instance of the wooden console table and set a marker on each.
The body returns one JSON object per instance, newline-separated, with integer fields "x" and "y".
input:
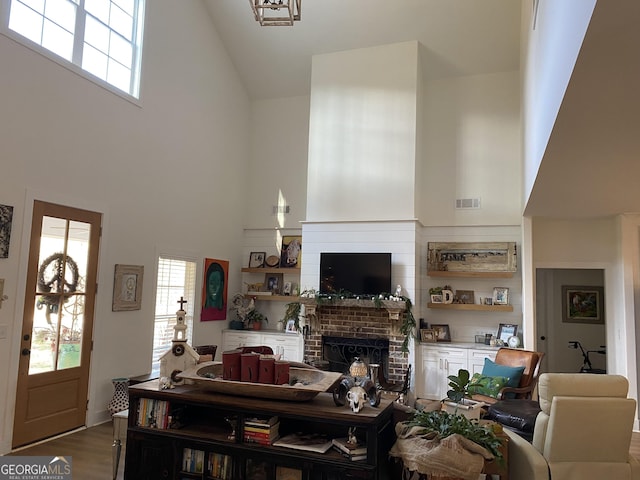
{"x": 204, "y": 418}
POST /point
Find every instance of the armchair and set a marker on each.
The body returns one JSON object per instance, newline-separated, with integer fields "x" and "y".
{"x": 582, "y": 432}
{"x": 513, "y": 357}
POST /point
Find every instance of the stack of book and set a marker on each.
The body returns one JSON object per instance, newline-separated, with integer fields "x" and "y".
{"x": 261, "y": 430}
{"x": 351, "y": 451}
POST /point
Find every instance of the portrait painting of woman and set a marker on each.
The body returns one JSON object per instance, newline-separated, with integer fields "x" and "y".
{"x": 214, "y": 290}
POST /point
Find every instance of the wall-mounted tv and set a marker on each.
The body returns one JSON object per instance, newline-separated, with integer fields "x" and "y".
{"x": 357, "y": 273}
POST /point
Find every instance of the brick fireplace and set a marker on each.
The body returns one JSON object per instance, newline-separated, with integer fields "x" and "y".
{"x": 354, "y": 322}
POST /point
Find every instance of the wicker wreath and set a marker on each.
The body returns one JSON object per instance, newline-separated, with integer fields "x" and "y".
{"x": 61, "y": 266}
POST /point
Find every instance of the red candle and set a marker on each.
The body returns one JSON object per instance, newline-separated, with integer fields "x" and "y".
{"x": 281, "y": 373}
{"x": 266, "y": 370}
{"x": 231, "y": 365}
{"x": 249, "y": 367}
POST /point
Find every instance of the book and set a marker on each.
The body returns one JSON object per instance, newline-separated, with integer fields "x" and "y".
{"x": 263, "y": 429}
{"x": 311, "y": 442}
{"x": 261, "y": 421}
{"x": 341, "y": 444}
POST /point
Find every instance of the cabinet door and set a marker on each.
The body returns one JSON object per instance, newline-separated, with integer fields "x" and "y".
{"x": 476, "y": 359}
{"x": 149, "y": 458}
{"x": 290, "y": 345}
{"x": 437, "y": 364}
{"x": 235, "y": 338}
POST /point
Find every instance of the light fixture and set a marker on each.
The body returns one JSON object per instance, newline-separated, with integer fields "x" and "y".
{"x": 276, "y": 12}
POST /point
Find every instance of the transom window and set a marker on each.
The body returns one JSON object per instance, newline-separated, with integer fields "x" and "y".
{"x": 101, "y": 37}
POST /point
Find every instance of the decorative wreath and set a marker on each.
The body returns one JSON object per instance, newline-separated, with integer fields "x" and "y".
{"x": 62, "y": 266}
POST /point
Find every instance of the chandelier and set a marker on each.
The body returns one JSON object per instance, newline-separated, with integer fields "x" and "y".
{"x": 276, "y": 12}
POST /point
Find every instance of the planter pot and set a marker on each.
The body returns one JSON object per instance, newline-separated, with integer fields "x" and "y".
{"x": 236, "y": 325}
{"x": 256, "y": 325}
{"x": 470, "y": 408}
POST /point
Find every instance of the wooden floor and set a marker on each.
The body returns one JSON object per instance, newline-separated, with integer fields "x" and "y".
{"x": 90, "y": 450}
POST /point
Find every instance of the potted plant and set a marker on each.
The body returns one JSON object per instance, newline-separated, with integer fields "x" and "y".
{"x": 246, "y": 313}
{"x": 254, "y": 319}
{"x": 292, "y": 312}
{"x": 459, "y": 397}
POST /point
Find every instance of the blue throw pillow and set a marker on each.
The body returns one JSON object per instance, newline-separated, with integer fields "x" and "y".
{"x": 492, "y": 369}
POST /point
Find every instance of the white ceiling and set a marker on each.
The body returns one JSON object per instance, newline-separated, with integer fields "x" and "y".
{"x": 276, "y": 61}
{"x": 591, "y": 165}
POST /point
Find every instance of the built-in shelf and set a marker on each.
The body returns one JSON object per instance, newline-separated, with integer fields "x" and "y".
{"x": 437, "y": 273}
{"x": 289, "y": 271}
{"x": 471, "y": 306}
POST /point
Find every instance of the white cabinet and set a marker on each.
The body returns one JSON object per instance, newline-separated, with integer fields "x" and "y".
{"x": 290, "y": 345}
{"x": 438, "y": 362}
{"x": 476, "y": 358}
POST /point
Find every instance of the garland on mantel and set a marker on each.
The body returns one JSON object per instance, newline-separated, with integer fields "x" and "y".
{"x": 408, "y": 324}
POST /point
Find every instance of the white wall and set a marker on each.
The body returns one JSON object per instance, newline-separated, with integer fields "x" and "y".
{"x": 362, "y": 134}
{"x": 472, "y": 149}
{"x": 167, "y": 175}
{"x": 550, "y": 51}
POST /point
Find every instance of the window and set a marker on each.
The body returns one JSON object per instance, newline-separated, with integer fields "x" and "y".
{"x": 176, "y": 278}
{"x": 101, "y": 37}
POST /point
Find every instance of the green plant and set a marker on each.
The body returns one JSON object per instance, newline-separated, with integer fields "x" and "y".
{"x": 292, "y": 312}
{"x": 255, "y": 316}
{"x": 445, "y": 424}
{"x": 460, "y": 386}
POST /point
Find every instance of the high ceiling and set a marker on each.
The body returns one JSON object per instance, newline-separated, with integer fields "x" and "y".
{"x": 276, "y": 61}
{"x": 590, "y": 166}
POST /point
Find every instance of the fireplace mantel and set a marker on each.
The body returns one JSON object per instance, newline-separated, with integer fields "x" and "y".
{"x": 393, "y": 307}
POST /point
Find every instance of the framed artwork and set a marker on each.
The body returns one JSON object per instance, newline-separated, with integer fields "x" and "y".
{"x": 286, "y": 289}
{"x": 471, "y": 257}
{"x": 500, "y": 296}
{"x": 214, "y": 290}
{"x": 442, "y": 333}
{"x": 465, "y": 296}
{"x": 127, "y": 287}
{"x": 428, "y": 335}
{"x": 256, "y": 259}
{"x": 291, "y": 326}
{"x": 6, "y": 217}
{"x": 582, "y": 304}
{"x": 273, "y": 282}
{"x": 507, "y": 330}
{"x": 436, "y": 298}
{"x": 291, "y": 253}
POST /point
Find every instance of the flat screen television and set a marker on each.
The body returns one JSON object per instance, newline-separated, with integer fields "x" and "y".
{"x": 357, "y": 273}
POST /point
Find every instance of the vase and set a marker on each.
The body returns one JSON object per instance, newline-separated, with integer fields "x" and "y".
{"x": 257, "y": 325}
{"x": 120, "y": 400}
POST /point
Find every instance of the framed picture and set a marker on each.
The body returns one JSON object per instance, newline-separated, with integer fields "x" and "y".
{"x": 127, "y": 287}
{"x": 436, "y": 298}
{"x": 256, "y": 259}
{"x": 214, "y": 290}
{"x": 273, "y": 282}
{"x": 507, "y": 330}
{"x": 291, "y": 253}
{"x": 471, "y": 257}
{"x": 465, "y": 296}
{"x": 6, "y": 217}
{"x": 286, "y": 289}
{"x": 291, "y": 326}
{"x": 442, "y": 333}
{"x": 428, "y": 335}
{"x": 500, "y": 296}
{"x": 582, "y": 304}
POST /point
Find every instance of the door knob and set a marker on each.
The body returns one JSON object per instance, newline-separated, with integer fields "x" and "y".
{"x": 26, "y": 351}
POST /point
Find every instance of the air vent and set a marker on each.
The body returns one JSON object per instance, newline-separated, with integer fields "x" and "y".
{"x": 467, "y": 203}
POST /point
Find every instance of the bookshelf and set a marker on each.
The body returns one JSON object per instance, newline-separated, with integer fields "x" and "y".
{"x": 184, "y": 433}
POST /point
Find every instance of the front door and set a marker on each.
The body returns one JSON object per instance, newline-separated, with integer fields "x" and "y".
{"x": 57, "y": 323}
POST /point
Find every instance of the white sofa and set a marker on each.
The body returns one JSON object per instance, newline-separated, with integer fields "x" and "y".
{"x": 583, "y": 431}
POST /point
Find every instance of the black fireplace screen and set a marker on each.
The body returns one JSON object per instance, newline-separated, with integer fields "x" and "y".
{"x": 340, "y": 352}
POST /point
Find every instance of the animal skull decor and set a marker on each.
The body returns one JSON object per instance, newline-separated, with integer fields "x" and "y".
{"x": 357, "y": 396}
